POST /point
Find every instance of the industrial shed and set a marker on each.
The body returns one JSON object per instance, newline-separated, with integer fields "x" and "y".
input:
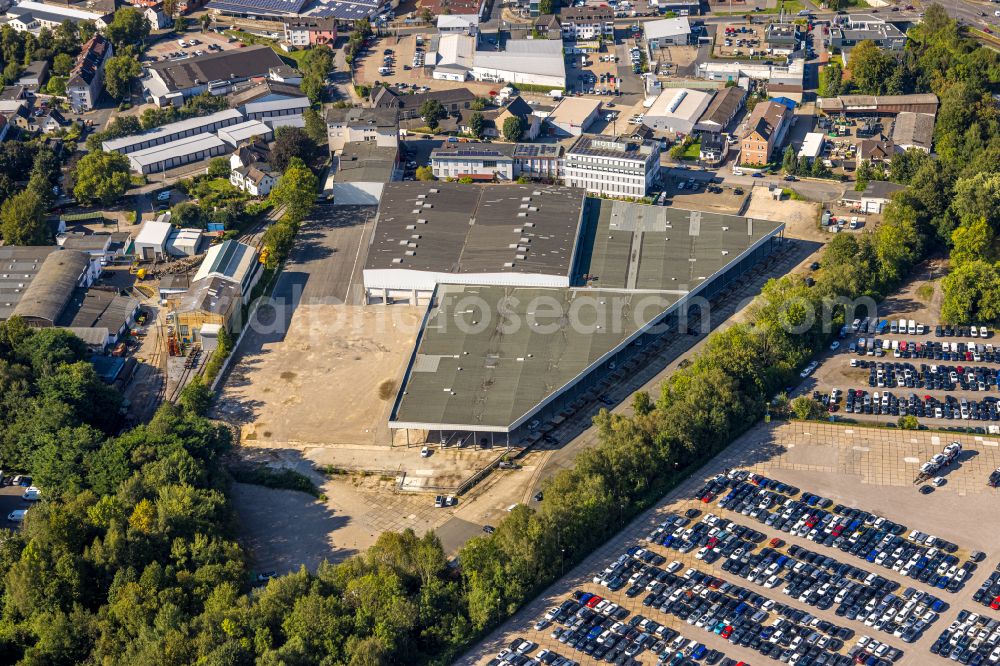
{"x": 178, "y": 153}
{"x": 172, "y": 132}
{"x": 47, "y": 294}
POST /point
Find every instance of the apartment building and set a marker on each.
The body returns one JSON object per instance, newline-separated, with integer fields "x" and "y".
{"x": 305, "y": 31}
{"x": 87, "y": 77}
{"x": 584, "y": 23}
{"x": 765, "y": 130}
{"x": 479, "y": 161}
{"x": 353, "y": 124}
{"x": 615, "y": 166}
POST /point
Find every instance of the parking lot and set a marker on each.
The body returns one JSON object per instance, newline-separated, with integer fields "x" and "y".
{"x": 196, "y": 44}
{"x": 835, "y": 553}
{"x": 741, "y": 39}
{"x": 593, "y": 73}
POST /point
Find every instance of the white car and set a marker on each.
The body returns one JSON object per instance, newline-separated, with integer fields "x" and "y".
{"x": 163, "y": 196}
{"x": 32, "y": 494}
{"x": 808, "y": 370}
{"x": 425, "y": 452}
{"x": 17, "y": 515}
{"x": 835, "y": 345}
{"x": 938, "y": 481}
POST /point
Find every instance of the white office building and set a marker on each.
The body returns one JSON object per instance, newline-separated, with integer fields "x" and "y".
{"x": 612, "y": 166}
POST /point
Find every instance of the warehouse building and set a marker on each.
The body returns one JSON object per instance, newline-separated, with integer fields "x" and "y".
{"x": 170, "y": 82}
{"x": 451, "y": 56}
{"x": 882, "y": 105}
{"x": 523, "y": 61}
{"x": 913, "y": 130}
{"x": 812, "y": 146}
{"x": 270, "y": 99}
{"x": 36, "y": 283}
{"x": 491, "y": 359}
{"x": 233, "y": 261}
{"x": 573, "y": 115}
{"x": 430, "y": 233}
{"x": 677, "y": 110}
{"x": 177, "y": 153}
{"x": 173, "y": 131}
{"x": 666, "y": 32}
{"x": 361, "y": 171}
{"x": 722, "y": 110}
{"x": 236, "y": 135}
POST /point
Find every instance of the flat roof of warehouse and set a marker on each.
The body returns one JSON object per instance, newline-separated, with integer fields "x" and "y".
{"x": 660, "y": 248}
{"x": 465, "y": 228}
{"x": 471, "y": 371}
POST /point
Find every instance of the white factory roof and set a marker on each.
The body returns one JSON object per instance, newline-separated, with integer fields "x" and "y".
{"x": 681, "y": 103}
{"x": 531, "y": 56}
{"x": 185, "y": 146}
{"x": 277, "y": 105}
{"x": 178, "y": 127}
{"x": 154, "y": 233}
{"x": 290, "y": 120}
{"x": 61, "y": 10}
{"x": 669, "y": 27}
{"x": 455, "y": 51}
{"x": 240, "y": 132}
{"x": 457, "y": 21}
{"x": 812, "y": 145}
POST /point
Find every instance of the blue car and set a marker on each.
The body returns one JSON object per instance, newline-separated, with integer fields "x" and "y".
{"x": 699, "y": 652}
{"x": 872, "y": 555}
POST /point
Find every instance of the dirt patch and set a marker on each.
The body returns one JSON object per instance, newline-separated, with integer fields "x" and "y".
{"x": 800, "y": 217}
{"x": 386, "y": 389}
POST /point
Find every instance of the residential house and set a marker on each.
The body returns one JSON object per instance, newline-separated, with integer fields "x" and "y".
{"x": 464, "y": 24}
{"x": 765, "y": 131}
{"x": 453, "y": 100}
{"x": 538, "y": 160}
{"x": 86, "y": 79}
{"x": 306, "y": 31}
{"x": 548, "y": 26}
{"x": 517, "y": 107}
{"x": 714, "y": 147}
{"x": 158, "y": 19}
{"x": 253, "y": 180}
{"x": 344, "y": 126}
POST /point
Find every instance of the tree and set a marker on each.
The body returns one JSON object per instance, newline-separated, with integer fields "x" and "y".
{"x": 206, "y": 21}
{"x": 830, "y": 79}
{"x": 476, "y": 124}
{"x": 478, "y": 104}
{"x": 546, "y": 6}
{"x": 315, "y": 127}
{"x": 218, "y": 167}
{"x": 871, "y": 68}
{"x": 56, "y": 86}
{"x": 432, "y": 112}
{"x": 972, "y": 242}
{"x": 62, "y": 63}
{"x": 296, "y": 190}
{"x": 971, "y": 293}
{"x": 22, "y": 220}
{"x": 101, "y": 177}
{"x": 424, "y": 173}
{"x": 978, "y": 197}
{"x": 128, "y": 27}
{"x": 904, "y": 166}
{"x": 290, "y": 143}
{"x": 789, "y": 161}
{"x": 170, "y": 7}
{"x": 908, "y": 422}
{"x": 119, "y": 72}
{"x": 513, "y": 129}
{"x": 805, "y": 407}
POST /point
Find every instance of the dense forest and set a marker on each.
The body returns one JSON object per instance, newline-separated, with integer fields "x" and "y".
{"x": 132, "y": 557}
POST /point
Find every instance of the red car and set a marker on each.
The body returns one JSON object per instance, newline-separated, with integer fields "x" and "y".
{"x": 776, "y": 543}
{"x": 727, "y": 632}
{"x": 593, "y": 601}
{"x": 995, "y": 605}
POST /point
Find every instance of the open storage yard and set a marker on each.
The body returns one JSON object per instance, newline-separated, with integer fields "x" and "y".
{"x": 800, "y": 539}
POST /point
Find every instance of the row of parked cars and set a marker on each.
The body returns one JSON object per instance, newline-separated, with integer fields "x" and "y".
{"x": 971, "y": 639}
{"x": 860, "y": 401}
{"x": 925, "y": 558}
{"x": 977, "y": 352}
{"x": 939, "y": 377}
{"x": 988, "y": 593}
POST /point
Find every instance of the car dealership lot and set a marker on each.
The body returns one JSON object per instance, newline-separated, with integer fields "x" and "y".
{"x": 856, "y": 468}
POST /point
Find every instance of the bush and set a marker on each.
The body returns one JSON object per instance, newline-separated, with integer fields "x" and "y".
{"x": 284, "y": 479}
{"x": 908, "y": 422}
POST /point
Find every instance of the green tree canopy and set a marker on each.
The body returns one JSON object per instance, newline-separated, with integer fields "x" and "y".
{"x": 871, "y": 68}
{"x": 128, "y": 27}
{"x": 101, "y": 177}
{"x": 22, "y": 220}
{"x": 119, "y": 72}
{"x": 513, "y": 128}
{"x": 296, "y": 190}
